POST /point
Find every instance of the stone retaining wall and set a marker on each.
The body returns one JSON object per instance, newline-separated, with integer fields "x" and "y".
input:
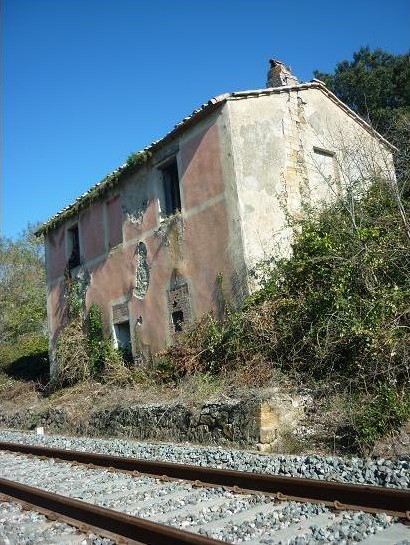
{"x": 249, "y": 422}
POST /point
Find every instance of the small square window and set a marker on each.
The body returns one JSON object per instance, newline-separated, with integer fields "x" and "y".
{"x": 74, "y": 247}
{"x": 171, "y": 189}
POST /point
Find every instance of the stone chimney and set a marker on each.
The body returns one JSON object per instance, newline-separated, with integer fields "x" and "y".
{"x": 279, "y": 75}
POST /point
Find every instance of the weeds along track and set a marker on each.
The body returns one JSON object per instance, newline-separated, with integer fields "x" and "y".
{"x": 158, "y": 502}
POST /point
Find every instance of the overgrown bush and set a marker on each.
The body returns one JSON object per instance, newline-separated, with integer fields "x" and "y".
{"x": 340, "y": 305}
{"x": 337, "y": 310}
{"x": 379, "y": 413}
{"x": 84, "y": 352}
{"x": 73, "y": 363}
{"x": 96, "y": 343}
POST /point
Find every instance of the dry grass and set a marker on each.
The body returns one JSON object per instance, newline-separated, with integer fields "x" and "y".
{"x": 202, "y": 388}
{"x": 73, "y": 363}
{"x": 17, "y": 393}
{"x": 255, "y": 373}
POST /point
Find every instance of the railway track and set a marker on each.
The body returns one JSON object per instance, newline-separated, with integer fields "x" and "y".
{"x": 156, "y": 502}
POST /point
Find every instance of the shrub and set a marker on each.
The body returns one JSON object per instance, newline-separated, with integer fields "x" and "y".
{"x": 340, "y": 305}
{"x": 96, "y": 343}
{"x": 83, "y": 352}
{"x": 115, "y": 370}
{"x": 375, "y": 415}
{"x": 72, "y": 359}
{"x": 336, "y": 311}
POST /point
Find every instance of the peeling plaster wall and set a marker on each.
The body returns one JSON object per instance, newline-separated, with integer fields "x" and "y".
{"x": 359, "y": 155}
{"x": 244, "y": 170}
{"x": 142, "y": 271}
{"x": 92, "y": 230}
{"x": 114, "y": 223}
{"x": 278, "y": 171}
{"x": 55, "y": 253}
{"x": 200, "y": 244}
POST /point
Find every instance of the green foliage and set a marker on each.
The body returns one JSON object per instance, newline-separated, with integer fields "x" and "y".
{"x": 74, "y": 297}
{"x": 23, "y": 342}
{"x": 375, "y": 84}
{"x": 137, "y": 159}
{"x": 22, "y": 287}
{"x": 336, "y": 311}
{"x": 96, "y": 343}
{"x": 164, "y": 369}
{"x": 83, "y": 351}
{"x": 376, "y": 415}
{"x": 340, "y": 304}
{"x": 200, "y": 348}
{"x": 71, "y": 355}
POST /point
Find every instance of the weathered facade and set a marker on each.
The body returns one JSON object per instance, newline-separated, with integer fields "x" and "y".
{"x": 174, "y": 233}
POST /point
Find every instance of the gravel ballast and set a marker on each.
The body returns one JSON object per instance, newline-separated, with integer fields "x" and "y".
{"x": 23, "y": 527}
{"x": 254, "y": 519}
{"x": 376, "y": 472}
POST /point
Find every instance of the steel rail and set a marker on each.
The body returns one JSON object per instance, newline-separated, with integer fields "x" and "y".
{"x": 372, "y": 499}
{"x": 125, "y": 528}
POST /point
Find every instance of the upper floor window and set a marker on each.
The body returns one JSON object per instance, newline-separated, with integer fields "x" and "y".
{"x": 74, "y": 246}
{"x": 324, "y": 162}
{"x": 171, "y": 189}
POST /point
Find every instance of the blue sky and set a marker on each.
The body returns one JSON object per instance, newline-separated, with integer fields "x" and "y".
{"x": 88, "y": 82}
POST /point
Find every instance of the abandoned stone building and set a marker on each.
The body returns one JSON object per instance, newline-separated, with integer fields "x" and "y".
{"x": 175, "y": 231}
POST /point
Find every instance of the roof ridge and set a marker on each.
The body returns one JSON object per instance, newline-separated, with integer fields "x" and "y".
{"x": 96, "y": 190}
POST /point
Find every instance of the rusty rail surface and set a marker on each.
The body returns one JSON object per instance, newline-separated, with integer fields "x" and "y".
{"x": 125, "y": 528}
{"x": 372, "y": 499}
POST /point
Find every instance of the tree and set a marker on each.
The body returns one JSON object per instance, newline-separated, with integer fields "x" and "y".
{"x": 375, "y": 84}
{"x": 22, "y": 287}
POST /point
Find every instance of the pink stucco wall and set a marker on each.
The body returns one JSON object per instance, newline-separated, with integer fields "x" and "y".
{"x": 92, "y": 231}
{"x": 114, "y": 215}
{"x": 200, "y": 162}
{"x": 56, "y": 308}
{"x": 206, "y": 240}
{"x": 199, "y": 253}
{"x": 56, "y": 259}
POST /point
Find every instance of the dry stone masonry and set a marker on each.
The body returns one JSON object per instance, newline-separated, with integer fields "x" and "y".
{"x": 257, "y": 423}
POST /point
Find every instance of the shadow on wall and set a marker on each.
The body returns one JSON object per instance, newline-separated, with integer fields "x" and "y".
{"x": 228, "y": 296}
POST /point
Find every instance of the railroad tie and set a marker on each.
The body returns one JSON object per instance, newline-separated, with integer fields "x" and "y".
{"x": 242, "y": 516}
{"x": 190, "y": 510}
{"x": 107, "y": 498}
{"x": 396, "y": 533}
{"x": 30, "y": 530}
{"x": 160, "y": 500}
{"x": 295, "y": 530}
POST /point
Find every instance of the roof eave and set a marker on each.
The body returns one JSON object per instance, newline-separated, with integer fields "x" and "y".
{"x": 96, "y": 191}
{"x": 120, "y": 173}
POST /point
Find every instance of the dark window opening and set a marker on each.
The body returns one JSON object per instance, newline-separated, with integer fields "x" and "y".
{"x": 178, "y": 320}
{"x": 171, "y": 189}
{"x": 324, "y": 152}
{"x": 74, "y": 241}
{"x": 123, "y": 338}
